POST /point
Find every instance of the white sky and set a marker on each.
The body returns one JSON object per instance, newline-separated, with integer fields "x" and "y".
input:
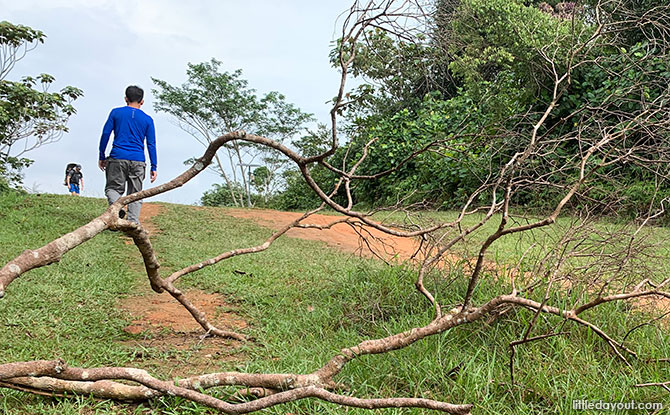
{"x": 101, "y": 46}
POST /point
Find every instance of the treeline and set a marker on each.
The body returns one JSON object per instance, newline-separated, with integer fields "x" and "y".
{"x": 449, "y": 104}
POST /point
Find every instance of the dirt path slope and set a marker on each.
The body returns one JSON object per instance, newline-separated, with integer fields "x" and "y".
{"x": 171, "y": 340}
{"x": 162, "y": 311}
{"x": 151, "y": 311}
{"x": 341, "y": 236}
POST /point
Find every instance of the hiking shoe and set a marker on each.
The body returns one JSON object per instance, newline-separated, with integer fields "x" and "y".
{"x": 122, "y": 213}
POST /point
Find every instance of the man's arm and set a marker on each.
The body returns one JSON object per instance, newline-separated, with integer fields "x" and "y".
{"x": 81, "y": 186}
{"x": 104, "y": 139}
{"x": 151, "y": 146}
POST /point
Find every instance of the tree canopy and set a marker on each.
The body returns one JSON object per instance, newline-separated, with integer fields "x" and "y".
{"x": 212, "y": 102}
{"x": 30, "y": 115}
{"x": 473, "y": 74}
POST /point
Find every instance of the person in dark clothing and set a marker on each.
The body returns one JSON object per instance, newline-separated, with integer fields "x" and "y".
{"x": 75, "y": 180}
{"x": 125, "y": 167}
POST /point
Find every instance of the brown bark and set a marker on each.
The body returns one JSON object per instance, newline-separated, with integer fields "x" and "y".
{"x": 101, "y": 389}
{"x": 95, "y": 378}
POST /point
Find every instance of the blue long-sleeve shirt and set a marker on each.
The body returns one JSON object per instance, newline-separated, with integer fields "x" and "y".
{"x": 131, "y": 128}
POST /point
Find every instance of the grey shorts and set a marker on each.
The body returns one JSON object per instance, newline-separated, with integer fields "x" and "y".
{"x": 124, "y": 175}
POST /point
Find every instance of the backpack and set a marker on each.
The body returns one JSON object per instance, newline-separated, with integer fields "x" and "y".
{"x": 68, "y": 169}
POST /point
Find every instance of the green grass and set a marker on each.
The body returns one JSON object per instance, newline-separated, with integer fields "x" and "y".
{"x": 66, "y": 310}
{"x": 304, "y": 301}
{"x": 531, "y": 245}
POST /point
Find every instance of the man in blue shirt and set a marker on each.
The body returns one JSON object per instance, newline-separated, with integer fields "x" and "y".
{"x": 126, "y": 165}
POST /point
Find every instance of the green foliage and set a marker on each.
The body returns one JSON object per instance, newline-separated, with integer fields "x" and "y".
{"x": 479, "y": 79}
{"x": 626, "y": 79}
{"x": 219, "y": 195}
{"x": 444, "y": 169}
{"x": 26, "y": 111}
{"x": 10, "y": 172}
{"x": 469, "y": 78}
{"x": 400, "y": 73}
{"x": 280, "y": 120}
{"x": 297, "y": 195}
{"x": 213, "y": 102}
{"x": 315, "y": 142}
{"x": 260, "y": 177}
{"x": 220, "y": 101}
{"x": 15, "y": 36}
{"x": 475, "y": 75}
{"x": 497, "y": 46}
{"x": 30, "y": 115}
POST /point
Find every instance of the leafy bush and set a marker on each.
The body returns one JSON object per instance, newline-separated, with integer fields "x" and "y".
{"x": 219, "y": 195}
{"x": 297, "y": 195}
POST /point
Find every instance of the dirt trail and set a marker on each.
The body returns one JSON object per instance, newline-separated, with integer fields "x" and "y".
{"x": 149, "y": 210}
{"x": 341, "y": 236}
{"x": 168, "y": 327}
{"x": 153, "y": 311}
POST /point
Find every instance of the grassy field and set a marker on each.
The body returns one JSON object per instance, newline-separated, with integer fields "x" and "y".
{"x": 303, "y": 302}
{"x": 532, "y": 245}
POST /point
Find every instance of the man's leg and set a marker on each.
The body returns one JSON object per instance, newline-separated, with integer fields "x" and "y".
{"x": 116, "y": 180}
{"x": 136, "y": 171}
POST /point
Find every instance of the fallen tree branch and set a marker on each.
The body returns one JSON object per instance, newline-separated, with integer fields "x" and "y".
{"x": 94, "y": 380}
{"x": 664, "y": 385}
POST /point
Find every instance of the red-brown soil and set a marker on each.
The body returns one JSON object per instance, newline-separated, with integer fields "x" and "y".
{"x": 172, "y": 340}
{"x": 160, "y": 311}
{"x": 341, "y": 236}
{"x": 153, "y": 312}
{"x": 149, "y": 210}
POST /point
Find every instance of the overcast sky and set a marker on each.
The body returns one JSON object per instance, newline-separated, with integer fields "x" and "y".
{"x": 101, "y": 46}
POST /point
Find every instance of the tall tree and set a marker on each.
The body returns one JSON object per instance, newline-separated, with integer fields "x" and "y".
{"x": 211, "y": 103}
{"x": 30, "y": 115}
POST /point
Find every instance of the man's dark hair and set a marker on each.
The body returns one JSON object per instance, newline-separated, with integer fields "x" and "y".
{"x": 134, "y": 93}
